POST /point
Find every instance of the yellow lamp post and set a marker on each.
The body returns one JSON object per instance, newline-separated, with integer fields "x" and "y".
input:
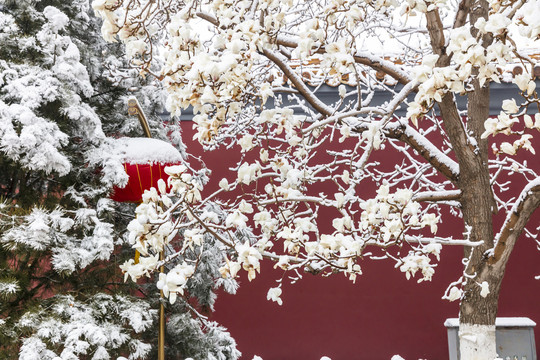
{"x": 135, "y": 109}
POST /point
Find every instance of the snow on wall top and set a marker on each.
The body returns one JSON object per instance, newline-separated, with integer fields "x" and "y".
{"x": 146, "y": 150}
{"x": 499, "y": 322}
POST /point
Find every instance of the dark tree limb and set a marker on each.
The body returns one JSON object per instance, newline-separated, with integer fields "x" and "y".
{"x": 462, "y": 13}
{"x": 446, "y": 166}
{"x": 298, "y": 83}
{"x": 437, "y": 196}
{"x": 515, "y": 223}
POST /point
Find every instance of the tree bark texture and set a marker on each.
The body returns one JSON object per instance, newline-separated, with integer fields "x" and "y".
{"x": 477, "y": 311}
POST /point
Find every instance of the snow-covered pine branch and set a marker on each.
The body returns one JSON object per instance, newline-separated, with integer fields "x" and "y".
{"x": 63, "y": 106}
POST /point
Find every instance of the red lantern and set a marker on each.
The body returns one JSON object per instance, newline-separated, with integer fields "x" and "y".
{"x": 145, "y": 160}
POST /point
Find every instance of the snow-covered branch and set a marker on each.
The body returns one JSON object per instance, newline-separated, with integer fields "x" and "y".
{"x": 298, "y": 83}
{"x": 436, "y": 196}
{"x": 526, "y": 204}
{"x": 448, "y": 167}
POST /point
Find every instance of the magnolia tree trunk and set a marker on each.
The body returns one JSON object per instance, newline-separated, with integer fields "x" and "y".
{"x": 478, "y": 310}
{"x": 477, "y": 326}
{"x": 477, "y": 342}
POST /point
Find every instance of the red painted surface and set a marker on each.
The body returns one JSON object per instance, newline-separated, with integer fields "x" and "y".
{"x": 141, "y": 177}
{"x": 381, "y": 315}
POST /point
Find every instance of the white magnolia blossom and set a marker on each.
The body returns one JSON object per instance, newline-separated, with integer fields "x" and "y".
{"x": 525, "y": 83}
{"x": 455, "y": 294}
{"x": 246, "y": 142}
{"x": 274, "y": 295}
{"x": 485, "y": 289}
{"x": 236, "y": 219}
{"x": 224, "y": 184}
{"x": 175, "y": 280}
{"x": 250, "y": 258}
{"x": 231, "y": 268}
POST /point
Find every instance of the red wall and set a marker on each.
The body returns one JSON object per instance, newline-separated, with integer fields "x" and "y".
{"x": 381, "y": 315}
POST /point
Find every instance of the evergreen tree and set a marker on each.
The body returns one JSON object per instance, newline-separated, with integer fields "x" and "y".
{"x": 63, "y": 94}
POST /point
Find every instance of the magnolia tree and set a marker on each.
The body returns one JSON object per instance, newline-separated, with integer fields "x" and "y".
{"x": 253, "y": 71}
